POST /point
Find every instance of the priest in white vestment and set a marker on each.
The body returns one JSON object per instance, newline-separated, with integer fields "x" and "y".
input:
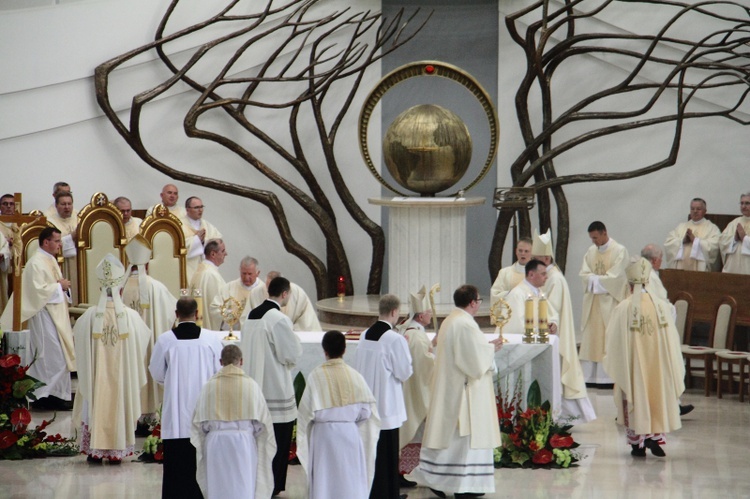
{"x": 7, "y": 208}
{"x": 735, "y": 241}
{"x": 240, "y": 290}
{"x": 508, "y": 277}
{"x": 232, "y": 434}
{"x": 417, "y": 387}
{"x": 58, "y": 188}
{"x": 132, "y": 224}
{"x": 605, "y": 285}
{"x": 299, "y": 308}
{"x": 337, "y": 427}
{"x": 644, "y": 358}
{"x": 156, "y": 306}
{"x": 694, "y": 245}
{"x": 198, "y": 232}
{"x": 272, "y": 350}
{"x": 44, "y": 303}
{"x": 462, "y": 428}
{"x": 384, "y": 361}
{"x": 110, "y": 341}
{"x": 576, "y": 406}
{"x": 209, "y": 281}
{"x": 183, "y": 359}
{"x": 169, "y": 196}
{"x": 65, "y": 218}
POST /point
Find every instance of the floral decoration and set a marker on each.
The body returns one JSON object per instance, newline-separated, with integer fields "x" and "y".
{"x": 531, "y": 439}
{"x": 153, "y": 446}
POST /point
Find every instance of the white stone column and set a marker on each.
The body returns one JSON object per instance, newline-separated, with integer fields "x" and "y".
{"x": 426, "y": 244}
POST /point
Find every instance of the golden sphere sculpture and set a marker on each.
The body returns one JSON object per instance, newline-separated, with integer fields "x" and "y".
{"x": 427, "y": 149}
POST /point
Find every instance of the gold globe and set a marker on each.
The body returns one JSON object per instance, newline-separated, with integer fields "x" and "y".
{"x": 427, "y": 149}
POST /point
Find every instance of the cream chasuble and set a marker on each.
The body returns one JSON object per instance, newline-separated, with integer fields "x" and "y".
{"x": 516, "y": 299}
{"x": 700, "y": 255}
{"x": 6, "y": 267}
{"x": 598, "y": 302}
{"x": 417, "y": 387}
{"x": 176, "y": 210}
{"x": 233, "y": 289}
{"x": 132, "y": 227}
{"x": 736, "y": 254}
{"x": 70, "y": 266}
{"x": 507, "y": 279}
{"x": 193, "y": 244}
{"x": 209, "y": 281}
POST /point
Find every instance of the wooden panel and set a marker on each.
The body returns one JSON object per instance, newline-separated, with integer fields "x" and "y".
{"x": 707, "y": 288}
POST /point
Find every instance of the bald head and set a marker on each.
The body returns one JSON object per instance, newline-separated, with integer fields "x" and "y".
{"x": 169, "y": 195}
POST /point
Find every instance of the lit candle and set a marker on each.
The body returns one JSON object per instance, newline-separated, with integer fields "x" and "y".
{"x": 542, "y": 311}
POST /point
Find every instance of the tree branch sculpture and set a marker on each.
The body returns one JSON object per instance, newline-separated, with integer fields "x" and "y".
{"x": 710, "y": 62}
{"x": 307, "y": 59}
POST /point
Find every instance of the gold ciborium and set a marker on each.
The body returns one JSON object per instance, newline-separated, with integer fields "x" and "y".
{"x": 231, "y": 311}
{"x": 500, "y": 313}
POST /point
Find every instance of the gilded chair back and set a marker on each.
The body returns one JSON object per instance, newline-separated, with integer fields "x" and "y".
{"x": 163, "y": 230}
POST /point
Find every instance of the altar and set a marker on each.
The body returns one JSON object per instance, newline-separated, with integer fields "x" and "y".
{"x": 540, "y": 362}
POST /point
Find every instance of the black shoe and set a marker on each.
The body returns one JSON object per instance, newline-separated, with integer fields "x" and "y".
{"x": 41, "y": 404}
{"x": 438, "y": 493}
{"x": 141, "y": 430}
{"x": 93, "y": 460}
{"x": 656, "y": 449}
{"x": 58, "y": 404}
{"x": 638, "y": 451}
{"x": 686, "y": 409}
{"x": 275, "y": 492}
{"x": 404, "y": 483}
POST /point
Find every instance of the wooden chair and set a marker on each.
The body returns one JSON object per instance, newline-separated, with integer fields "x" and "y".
{"x": 163, "y": 230}
{"x": 683, "y": 304}
{"x": 721, "y": 338}
{"x": 732, "y": 375}
{"x": 100, "y": 231}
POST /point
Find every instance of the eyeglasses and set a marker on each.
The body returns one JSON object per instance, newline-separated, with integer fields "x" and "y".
{"x": 479, "y": 300}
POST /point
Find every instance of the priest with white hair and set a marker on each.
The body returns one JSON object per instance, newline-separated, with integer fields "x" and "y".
{"x": 110, "y": 341}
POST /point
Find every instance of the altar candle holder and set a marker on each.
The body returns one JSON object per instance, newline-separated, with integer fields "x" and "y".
{"x": 341, "y": 288}
{"x": 528, "y": 335}
{"x": 543, "y": 324}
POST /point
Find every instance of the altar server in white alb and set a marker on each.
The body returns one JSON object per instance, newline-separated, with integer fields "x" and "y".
{"x": 44, "y": 303}
{"x": 645, "y": 360}
{"x": 735, "y": 241}
{"x": 111, "y": 342}
{"x": 508, "y": 277}
{"x": 694, "y": 245}
{"x": 232, "y": 434}
{"x": 605, "y": 285}
{"x": 576, "y": 406}
{"x": 156, "y": 306}
{"x": 337, "y": 427}
{"x": 299, "y": 308}
{"x": 184, "y": 358}
{"x": 384, "y": 361}
{"x": 417, "y": 387}
{"x": 271, "y": 349}
{"x": 462, "y": 429}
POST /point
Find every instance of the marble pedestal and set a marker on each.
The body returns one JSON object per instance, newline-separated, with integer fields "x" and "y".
{"x": 426, "y": 244}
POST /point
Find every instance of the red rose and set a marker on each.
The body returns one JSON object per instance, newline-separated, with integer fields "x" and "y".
{"x": 560, "y": 441}
{"x": 10, "y": 360}
{"x": 7, "y": 438}
{"x": 156, "y": 431}
{"x": 544, "y": 456}
{"x": 159, "y": 454}
{"x": 20, "y": 416}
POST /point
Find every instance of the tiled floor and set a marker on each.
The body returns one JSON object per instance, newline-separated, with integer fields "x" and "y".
{"x": 708, "y": 457}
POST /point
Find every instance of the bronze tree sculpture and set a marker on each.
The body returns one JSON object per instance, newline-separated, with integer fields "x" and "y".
{"x": 322, "y": 72}
{"x": 713, "y": 60}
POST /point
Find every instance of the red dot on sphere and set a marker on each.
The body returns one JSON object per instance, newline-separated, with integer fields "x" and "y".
{"x": 429, "y": 69}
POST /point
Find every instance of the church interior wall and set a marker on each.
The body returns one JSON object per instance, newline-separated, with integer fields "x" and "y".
{"x": 53, "y": 130}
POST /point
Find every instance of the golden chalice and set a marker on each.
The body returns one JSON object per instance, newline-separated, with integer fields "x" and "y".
{"x": 231, "y": 311}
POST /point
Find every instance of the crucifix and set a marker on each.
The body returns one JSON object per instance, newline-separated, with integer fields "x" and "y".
{"x": 18, "y": 219}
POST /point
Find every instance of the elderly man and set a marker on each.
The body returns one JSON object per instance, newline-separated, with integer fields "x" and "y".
{"x": 337, "y": 427}
{"x": 462, "y": 428}
{"x": 110, "y": 341}
{"x": 605, "y": 285}
{"x": 132, "y": 224}
{"x": 273, "y": 350}
{"x": 65, "y": 218}
{"x": 198, "y": 232}
{"x": 209, "y": 281}
{"x": 383, "y": 359}
{"x": 694, "y": 245}
{"x": 576, "y": 406}
{"x": 644, "y": 359}
{"x": 735, "y": 241}
{"x": 184, "y": 358}
{"x": 232, "y": 434}
{"x": 169, "y": 196}
{"x": 241, "y": 289}
{"x": 299, "y": 308}
{"x": 417, "y": 387}
{"x": 44, "y": 303}
{"x": 7, "y": 208}
{"x": 508, "y": 277}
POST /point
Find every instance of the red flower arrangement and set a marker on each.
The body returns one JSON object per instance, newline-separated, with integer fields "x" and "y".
{"x": 17, "y": 441}
{"x": 531, "y": 439}
{"x": 153, "y": 447}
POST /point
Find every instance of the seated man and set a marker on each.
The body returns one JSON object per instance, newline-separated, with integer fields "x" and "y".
{"x": 232, "y": 434}
{"x": 337, "y": 427}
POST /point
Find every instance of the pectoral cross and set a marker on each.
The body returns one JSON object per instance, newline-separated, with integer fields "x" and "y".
{"x": 18, "y": 220}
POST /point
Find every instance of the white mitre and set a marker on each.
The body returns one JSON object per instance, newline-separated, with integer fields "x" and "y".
{"x": 138, "y": 251}
{"x": 637, "y": 273}
{"x": 542, "y": 245}
{"x": 418, "y": 303}
{"x": 111, "y": 274}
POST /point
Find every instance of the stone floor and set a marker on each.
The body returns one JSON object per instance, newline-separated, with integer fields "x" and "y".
{"x": 708, "y": 457}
